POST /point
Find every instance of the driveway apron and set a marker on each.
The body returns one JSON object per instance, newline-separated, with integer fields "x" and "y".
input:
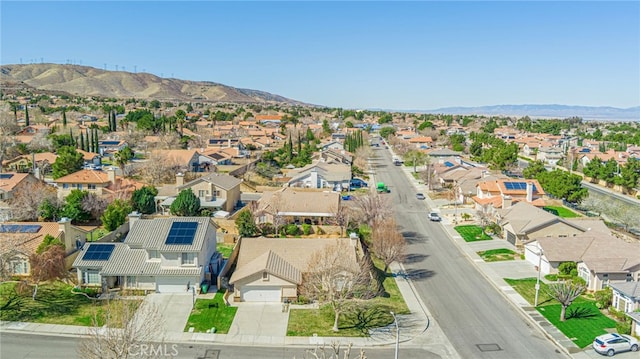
{"x": 174, "y": 309}
{"x": 260, "y": 319}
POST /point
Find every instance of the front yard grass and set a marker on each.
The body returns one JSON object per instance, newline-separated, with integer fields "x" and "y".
{"x": 496, "y": 255}
{"x": 55, "y": 303}
{"x": 583, "y": 319}
{"x": 472, "y": 233}
{"x": 561, "y": 211}
{"x": 211, "y": 313}
{"x": 366, "y": 314}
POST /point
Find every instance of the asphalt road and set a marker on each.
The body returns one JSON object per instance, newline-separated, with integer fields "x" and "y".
{"x": 476, "y": 318}
{"x": 22, "y": 346}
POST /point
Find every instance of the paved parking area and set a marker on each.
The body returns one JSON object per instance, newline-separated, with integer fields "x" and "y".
{"x": 260, "y": 319}
{"x": 174, "y": 308}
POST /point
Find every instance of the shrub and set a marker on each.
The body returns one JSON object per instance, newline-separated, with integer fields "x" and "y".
{"x": 574, "y": 273}
{"x": 623, "y": 327}
{"x": 578, "y": 280}
{"x": 566, "y": 267}
{"x": 603, "y": 298}
{"x": 466, "y": 216}
{"x": 291, "y": 229}
{"x": 306, "y": 229}
{"x": 267, "y": 229}
{"x": 551, "y": 277}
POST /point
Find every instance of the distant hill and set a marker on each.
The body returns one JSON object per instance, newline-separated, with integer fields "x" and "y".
{"x": 90, "y": 81}
{"x": 548, "y": 111}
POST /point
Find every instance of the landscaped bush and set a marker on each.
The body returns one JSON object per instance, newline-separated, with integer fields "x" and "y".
{"x": 623, "y": 327}
{"x": 267, "y": 229}
{"x": 291, "y": 229}
{"x": 603, "y": 298}
{"x": 566, "y": 268}
{"x": 320, "y": 230}
{"x": 551, "y": 277}
{"x": 306, "y": 229}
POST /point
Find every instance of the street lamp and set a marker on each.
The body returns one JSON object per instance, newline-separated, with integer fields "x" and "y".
{"x": 395, "y": 321}
{"x": 535, "y": 303}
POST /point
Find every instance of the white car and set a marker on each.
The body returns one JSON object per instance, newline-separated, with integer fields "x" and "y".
{"x": 613, "y": 343}
{"x": 434, "y": 217}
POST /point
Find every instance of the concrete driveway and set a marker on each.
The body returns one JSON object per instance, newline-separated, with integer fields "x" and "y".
{"x": 174, "y": 309}
{"x": 260, "y": 320}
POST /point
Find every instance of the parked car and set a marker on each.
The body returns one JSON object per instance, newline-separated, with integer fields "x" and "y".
{"x": 434, "y": 217}
{"x": 420, "y": 196}
{"x": 357, "y": 183}
{"x": 347, "y": 198}
{"x": 613, "y": 343}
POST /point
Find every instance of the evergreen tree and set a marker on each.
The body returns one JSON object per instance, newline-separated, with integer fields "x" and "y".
{"x": 64, "y": 118}
{"x": 26, "y": 115}
{"x": 82, "y": 142}
{"x": 72, "y": 138}
{"x": 299, "y": 144}
{"x": 186, "y": 204}
{"x": 96, "y": 145}
{"x": 89, "y": 141}
{"x": 290, "y": 148}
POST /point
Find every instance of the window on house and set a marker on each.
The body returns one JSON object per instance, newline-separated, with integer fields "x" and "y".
{"x": 265, "y": 276}
{"x": 188, "y": 258}
{"x": 73, "y": 185}
{"x": 20, "y": 267}
{"x": 91, "y": 186}
{"x": 131, "y": 281}
{"x": 202, "y": 193}
{"x": 216, "y": 193}
{"x": 605, "y": 281}
{"x": 91, "y": 277}
{"x": 629, "y": 277}
{"x": 79, "y": 186}
{"x": 65, "y": 185}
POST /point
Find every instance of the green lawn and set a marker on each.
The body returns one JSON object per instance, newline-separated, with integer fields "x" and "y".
{"x": 561, "y": 211}
{"x": 472, "y": 233}
{"x": 367, "y": 314}
{"x": 211, "y": 313}
{"x": 583, "y": 319}
{"x": 54, "y": 304}
{"x": 97, "y": 234}
{"x": 496, "y": 255}
{"x": 225, "y": 249}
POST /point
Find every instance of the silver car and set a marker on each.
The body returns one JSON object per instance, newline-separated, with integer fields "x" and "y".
{"x": 613, "y": 343}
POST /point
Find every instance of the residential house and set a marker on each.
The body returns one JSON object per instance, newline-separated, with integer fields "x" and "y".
{"x": 184, "y": 160}
{"x": 102, "y": 183}
{"x": 41, "y": 162}
{"x": 332, "y": 145}
{"x": 295, "y": 205}
{"x": 217, "y": 192}
{"x": 502, "y": 193}
{"x": 21, "y": 239}
{"x": 334, "y": 175}
{"x": 602, "y": 259}
{"x": 626, "y": 298}
{"x": 272, "y": 269}
{"x": 90, "y": 158}
{"x": 523, "y": 221}
{"x": 550, "y": 156}
{"x": 165, "y": 255}
{"x": 341, "y": 156}
{"x": 108, "y": 147}
{"x": 32, "y": 130}
{"x": 10, "y": 184}
{"x": 421, "y": 142}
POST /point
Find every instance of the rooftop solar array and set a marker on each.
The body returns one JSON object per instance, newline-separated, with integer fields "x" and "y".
{"x": 98, "y": 252}
{"x": 448, "y": 164}
{"x": 107, "y": 143}
{"x": 517, "y": 186}
{"x": 182, "y": 233}
{"x": 6, "y": 175}
{"x": 19, "y": 228}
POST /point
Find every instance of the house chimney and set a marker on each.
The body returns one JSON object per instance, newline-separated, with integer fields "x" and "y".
{"x": 529, "y": 191}
{"x": 354, "y": 238}
{"x": 64, "y": 226}
{"x": 111, "y": 175}
{"x": 133, "y": 217}
{"x": 506, "y": 202}
{"x": 179, "y": 179}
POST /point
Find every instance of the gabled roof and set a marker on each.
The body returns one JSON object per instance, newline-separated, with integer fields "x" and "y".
{"x": 525, "y": 218}
{"x": 85, "y": 176}
{"x": 284, "y": 257}
{"x": 180, "y": 156}
{"x": 271, "y": 263}
{"x": 291, "y": 201}
{"x": 9, "y": 180}
{"x": 219, "y": 180}
{"x": 152, "y": 234}
{"x": 630, "y": 289}
{"x": 330, "y": 171}
{"x": 27, "y": 243}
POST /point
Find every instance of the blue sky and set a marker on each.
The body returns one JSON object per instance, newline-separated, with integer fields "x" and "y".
{"x": 417, "y": 55}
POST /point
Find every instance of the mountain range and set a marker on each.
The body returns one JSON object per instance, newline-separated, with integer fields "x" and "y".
{"x": 91, "y": 81}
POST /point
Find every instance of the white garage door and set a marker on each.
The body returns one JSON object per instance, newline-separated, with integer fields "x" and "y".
{"x": 261, "y": 294}
{"x": 172, "y": 284}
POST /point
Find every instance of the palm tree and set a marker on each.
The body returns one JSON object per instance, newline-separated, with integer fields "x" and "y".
{"x": 122, "y": 157}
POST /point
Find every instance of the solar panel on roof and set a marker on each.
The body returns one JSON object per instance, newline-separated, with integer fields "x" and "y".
{"x": 518, "y": 186}
{"x": 448, "y": 164}
{"x": 6, "y": 175}
{"x": 182, "y": 233}
{"x": 98, "y": 252}
{"x": 19, "y": 228}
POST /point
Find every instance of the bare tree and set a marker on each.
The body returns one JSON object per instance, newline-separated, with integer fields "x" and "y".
{"x": 123, "y": 331}
{"x": 8, "y": 128}
{"x": 94, "y": 204}
{"x": 337, "y": 277}
{"x": 387, "y": 243}
{"x": 158, "y": 169}
{"x": 27, "y": 199}
{"x": 361, "y": 157}
{"x": 373, "y": 207}
{"x": 275, "y": 209}
{"x": 565, "y": 292}
{"x": 48, "y": 265}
